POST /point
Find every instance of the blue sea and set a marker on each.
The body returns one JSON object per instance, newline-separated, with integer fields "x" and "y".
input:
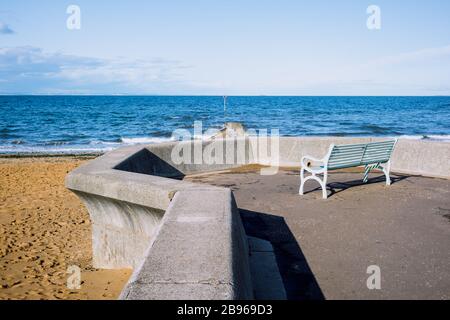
{"x": 86, "y": 124}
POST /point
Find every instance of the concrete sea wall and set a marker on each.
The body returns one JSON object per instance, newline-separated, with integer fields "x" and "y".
{"x": 186, "y": 240}
{"x": 200, "y": 252}
{"x": 416, "y": 157}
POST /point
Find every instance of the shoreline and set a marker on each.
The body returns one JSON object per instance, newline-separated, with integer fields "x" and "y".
{"x": 81, "y": 156}
{"x": 94, "y": 154}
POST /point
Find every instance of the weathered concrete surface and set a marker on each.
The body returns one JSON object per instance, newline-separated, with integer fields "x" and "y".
{"x": 121, "y": 231}
{"x": 266, "y": 277}
{"x": 176, "y": 159}
{"x": 127, "y": 190}
{"x": 324, "y": 247}
{"x": 125, "y": 207}
{"x": 427, "y": 158}
{"x": 200, "y": 252}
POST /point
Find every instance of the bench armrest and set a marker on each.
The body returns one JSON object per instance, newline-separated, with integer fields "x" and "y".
{"x": 304, "y": 160}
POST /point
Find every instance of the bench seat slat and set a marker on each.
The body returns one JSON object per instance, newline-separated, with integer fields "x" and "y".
{"x": 350, "y": 159}
{"x": 354, "y": 155}
{"x": 374, "y": 155}
{"x": 344, "y": 165}
{"x": 389, "y": 148}
{"x": 380, "y": 156}
{"x": 372, "y": 152}
{"x": 338, "y": 151}
{"x": 343, "y": 157}
{"x": 336, "y": 154}
{"x": 359, "y": 149}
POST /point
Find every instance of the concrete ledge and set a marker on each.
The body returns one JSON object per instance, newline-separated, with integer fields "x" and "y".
{"x": 424, "y": 158}
{"x": 417, "y": 157}
{"x": 121, "y": 231}
{"x": 186, "y": 240}
{"x": 200, "y": 252}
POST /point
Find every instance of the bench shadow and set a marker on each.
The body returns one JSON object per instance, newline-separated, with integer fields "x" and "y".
{"x": 337, "y": 187}
{"x": 298, "y": 280}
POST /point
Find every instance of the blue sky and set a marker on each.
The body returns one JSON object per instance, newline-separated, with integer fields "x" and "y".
{"x": 231, "y": 47}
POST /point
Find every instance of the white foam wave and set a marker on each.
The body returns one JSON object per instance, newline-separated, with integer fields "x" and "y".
{"x": 440, "y": 137}
{"x": 52, "y": 150}
{"x": 98, "y": 146}
{"x": 410, "y": 137}
{"x": 203, "y": 136}
{"x": 433, "y": 137}
{"x": 145, "y": 140}
{"x": 94, "y": 146}
{"x": 104, "y": 143}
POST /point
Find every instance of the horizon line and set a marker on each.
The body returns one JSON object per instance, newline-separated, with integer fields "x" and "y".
{"x": 199, "y": 95}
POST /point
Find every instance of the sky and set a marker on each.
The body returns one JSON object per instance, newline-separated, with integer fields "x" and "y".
{"x": 232, "y": 47}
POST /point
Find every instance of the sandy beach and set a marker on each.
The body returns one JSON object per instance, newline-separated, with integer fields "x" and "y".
{"x": 44, "y": 228}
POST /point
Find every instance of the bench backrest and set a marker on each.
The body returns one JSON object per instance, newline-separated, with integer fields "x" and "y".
{"x": 354, "y": 155}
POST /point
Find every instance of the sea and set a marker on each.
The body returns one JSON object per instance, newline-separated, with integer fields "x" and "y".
{"x": 96, "y": 124}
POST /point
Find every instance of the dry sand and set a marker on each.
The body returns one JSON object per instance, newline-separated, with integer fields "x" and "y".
{"x": 44, "y": 228}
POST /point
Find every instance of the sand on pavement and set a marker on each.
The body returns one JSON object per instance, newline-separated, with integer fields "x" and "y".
{"x": 325, "y": 247}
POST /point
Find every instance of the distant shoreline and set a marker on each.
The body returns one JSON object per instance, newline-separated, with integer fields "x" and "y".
{"x": 51, "y": 155}
{"x": 94, "y": 154}
{"x": 218, "y": 95}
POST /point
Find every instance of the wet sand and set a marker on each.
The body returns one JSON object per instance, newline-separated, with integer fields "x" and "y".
{"x": 44, "y": 229}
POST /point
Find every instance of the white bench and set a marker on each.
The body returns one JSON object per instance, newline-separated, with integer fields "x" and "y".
{"x": 375, "y": 155}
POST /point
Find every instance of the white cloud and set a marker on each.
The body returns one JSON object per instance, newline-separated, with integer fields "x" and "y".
{"x": 31, "y": 70}
{"x": 420, "y": 72}
{"x": 5, "y": 29}
{"x": 414, "y": 56}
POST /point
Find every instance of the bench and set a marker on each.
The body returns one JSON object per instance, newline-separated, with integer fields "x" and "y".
{"x": 374, "y": 155}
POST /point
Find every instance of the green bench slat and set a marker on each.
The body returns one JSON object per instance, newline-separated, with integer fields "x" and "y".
{"x": 365, "y": 163}
{"x": 376, "y": 155}
{"x": 354, "y": 155}
{"x": 342, "y": 166}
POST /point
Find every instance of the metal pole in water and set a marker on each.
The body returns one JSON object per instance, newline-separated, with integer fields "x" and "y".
{"x": 225, "y": 106}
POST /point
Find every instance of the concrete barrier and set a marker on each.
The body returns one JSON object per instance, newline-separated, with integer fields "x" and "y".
{"x": 417, "y": 157}
{"x": 132, "y": 202}
{"x": 200, "y": 252}
{"x": 185, "y": 240}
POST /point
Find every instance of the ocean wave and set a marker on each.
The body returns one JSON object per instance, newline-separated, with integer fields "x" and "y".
{"x": 145, "y": 140}
{"x": 410, "y": 137}
{"x": 438, "y": 137}
{"x": 376, "y": 129}
{"x": 56, "y": 143}
{"x": 20, "y": 149}
{"x": 106, "y": 143}
{"x": 94, "y": 146}
{"x": 204, "y": 136}
{"x": 433, "y": 137}
{"x": 132, "y": 141}
{"x": 99, "y": 146}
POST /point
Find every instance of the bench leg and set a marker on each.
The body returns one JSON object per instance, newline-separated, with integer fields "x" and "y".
{"x": 324, "y": 185}
{"x": 302, "y": 181}
{"x": 386, "y": 168}
{"x": 313, "y": 176}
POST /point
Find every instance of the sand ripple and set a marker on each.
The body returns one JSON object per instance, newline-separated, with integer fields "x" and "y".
{"x": 44, "y": 228}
